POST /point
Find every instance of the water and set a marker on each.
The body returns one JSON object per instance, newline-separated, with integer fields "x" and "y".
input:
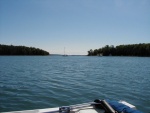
{"x": 36, "y": 82}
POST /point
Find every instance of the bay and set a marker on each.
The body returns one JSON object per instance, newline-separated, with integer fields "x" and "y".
{"x": 36, "y": 82}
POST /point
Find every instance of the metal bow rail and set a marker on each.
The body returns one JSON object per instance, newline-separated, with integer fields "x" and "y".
{"x": 97, "y": 103}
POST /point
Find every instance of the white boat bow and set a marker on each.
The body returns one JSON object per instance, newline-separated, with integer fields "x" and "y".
{"x": 78, "y": 108}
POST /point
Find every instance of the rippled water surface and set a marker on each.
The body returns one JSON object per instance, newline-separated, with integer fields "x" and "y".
{"x": 35, "y": 82}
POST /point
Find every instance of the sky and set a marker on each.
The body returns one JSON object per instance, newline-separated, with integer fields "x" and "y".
{"x": 76, "y": 25}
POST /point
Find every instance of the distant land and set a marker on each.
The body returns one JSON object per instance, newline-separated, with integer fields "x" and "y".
{"x": 21, "y": 50}
{"x": 67, "y": 55}
{"x": 142, "y": 49}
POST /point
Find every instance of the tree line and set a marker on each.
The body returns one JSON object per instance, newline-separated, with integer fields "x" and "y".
{"x": 21, "y": 50}
{"x": 122, "y": 50}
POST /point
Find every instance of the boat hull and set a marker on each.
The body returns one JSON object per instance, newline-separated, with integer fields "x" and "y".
{"x": 78, "y": 108}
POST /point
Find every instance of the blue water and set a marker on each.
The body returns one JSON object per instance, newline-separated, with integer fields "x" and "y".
{"x": 36, "y": 82}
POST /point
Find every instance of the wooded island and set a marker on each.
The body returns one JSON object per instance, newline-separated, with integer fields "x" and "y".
{"x": 122, "y": 50}
{"x": 21, "y": 50}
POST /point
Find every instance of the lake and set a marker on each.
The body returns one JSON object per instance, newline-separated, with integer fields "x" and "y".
{"x": 36, "y": 82}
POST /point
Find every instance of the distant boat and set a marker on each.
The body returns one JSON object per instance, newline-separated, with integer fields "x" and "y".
{"x": 65, "y": 53}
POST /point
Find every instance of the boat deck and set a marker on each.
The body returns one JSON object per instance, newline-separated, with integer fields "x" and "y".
{"x": 78, "y": 108}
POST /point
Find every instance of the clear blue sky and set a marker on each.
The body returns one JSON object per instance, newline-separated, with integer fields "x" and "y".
{"x": 77, "y": 25}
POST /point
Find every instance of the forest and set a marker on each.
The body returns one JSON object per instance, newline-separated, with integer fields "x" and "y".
{"x": 142, "y": 49}
{"x": 21, "y": 50}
